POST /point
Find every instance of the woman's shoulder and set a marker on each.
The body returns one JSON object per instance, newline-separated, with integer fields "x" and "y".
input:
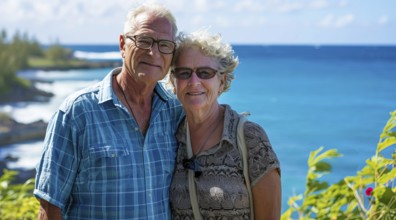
{"x": 253, "y": 130}
{"x": 261, "y": 155}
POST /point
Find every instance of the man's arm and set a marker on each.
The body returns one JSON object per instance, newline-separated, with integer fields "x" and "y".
{"x": 49, "y": 211}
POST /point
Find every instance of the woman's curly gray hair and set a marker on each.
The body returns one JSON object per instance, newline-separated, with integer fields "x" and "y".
{"x": 210, "y": 45}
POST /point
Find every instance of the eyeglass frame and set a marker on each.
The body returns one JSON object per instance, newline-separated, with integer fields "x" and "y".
{"x": 133, "y": 38}
{"x": 194, "y": 70}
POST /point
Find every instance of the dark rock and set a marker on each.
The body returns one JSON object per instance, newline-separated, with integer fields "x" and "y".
{"x": 10, "y": 158}
{"x": 21, "y": 94}
{"x": 24, "y": 175}
{"x": 12, "y": 131}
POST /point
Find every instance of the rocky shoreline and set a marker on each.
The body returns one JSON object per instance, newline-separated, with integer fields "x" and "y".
{"x": 12, "y": 132}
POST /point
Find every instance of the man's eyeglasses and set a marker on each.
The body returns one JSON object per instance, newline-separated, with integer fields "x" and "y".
{"x": 186, "y": 73}
{"x": 144, "y": 42}
{"x": 192, "y": 164}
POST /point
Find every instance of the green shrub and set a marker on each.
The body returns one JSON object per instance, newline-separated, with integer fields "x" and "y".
{"x": 370, "y": 194}
{"x": 16, "y": 200}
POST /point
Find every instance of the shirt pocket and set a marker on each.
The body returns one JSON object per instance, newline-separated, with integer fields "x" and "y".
{"x": 108, "y": 161}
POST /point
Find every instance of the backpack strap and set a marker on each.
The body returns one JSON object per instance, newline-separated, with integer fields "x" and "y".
{"x": 244, "y": 155}
{"x": 243, "y": 152}
{"x": 191, "y": 180}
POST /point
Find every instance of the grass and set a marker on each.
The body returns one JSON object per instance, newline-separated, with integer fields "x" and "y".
{"x": 38, "y": 63}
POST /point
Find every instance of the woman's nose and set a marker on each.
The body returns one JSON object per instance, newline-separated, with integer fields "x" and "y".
{"x": 194, "y": 79}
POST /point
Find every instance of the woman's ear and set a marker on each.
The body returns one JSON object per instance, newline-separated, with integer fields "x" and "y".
{"x": 223, "y": 79}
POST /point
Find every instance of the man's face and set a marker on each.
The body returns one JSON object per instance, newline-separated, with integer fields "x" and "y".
{"x": 149, "y": 65}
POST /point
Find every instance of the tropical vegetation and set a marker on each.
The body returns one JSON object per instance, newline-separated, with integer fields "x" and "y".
{"x": 370, "y": 194}
{"x": 23, "y": 52}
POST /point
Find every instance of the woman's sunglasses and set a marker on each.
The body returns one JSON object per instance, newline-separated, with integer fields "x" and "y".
{"x": 185, "y": 73}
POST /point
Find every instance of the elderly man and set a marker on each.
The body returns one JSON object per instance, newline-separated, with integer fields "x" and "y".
{"x": 110, "y": 149}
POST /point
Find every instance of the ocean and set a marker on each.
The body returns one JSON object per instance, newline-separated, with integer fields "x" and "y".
{"x": 303, "y": 96}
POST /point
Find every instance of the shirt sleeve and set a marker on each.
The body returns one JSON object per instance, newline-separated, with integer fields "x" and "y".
{"x": 58, "y": 165}
{"x": 262, "y": 157}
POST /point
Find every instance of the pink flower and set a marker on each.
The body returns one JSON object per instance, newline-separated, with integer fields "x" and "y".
{"x": 369, "y": 191}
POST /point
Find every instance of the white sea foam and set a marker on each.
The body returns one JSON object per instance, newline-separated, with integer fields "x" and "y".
{"x": 28, "y": 154}
{"x": 27, "y": 112}
{"x": 97, "y": 56}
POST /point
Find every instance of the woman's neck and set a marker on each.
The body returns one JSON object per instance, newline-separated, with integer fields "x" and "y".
{"x": 205, "y": 129}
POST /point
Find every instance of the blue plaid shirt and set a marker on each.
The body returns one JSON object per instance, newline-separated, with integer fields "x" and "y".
{"x": 97, "y": 164}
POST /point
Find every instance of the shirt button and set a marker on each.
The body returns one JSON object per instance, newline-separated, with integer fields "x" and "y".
{"x": 113, "y": 155}
{"x": 136, "y": 129}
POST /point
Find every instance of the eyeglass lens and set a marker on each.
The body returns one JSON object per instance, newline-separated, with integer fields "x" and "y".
{"x": 202, "y": 72}
{"x": 144, "y": 42}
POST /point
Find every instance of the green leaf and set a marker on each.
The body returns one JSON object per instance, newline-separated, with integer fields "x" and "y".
{"x": 317, "y": 185}
{"x": 386, "y": 196}
{"x": 323, "y": 167}
{"x": 327, "y": 155}
{"x": 386, "y": 143}
{"x": 387, "y": 177}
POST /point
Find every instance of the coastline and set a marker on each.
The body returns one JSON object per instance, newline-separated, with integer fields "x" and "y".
{"x": 14, "y": 132}
{"x": 84, "y": 65}
{"x": 11, "y": 131}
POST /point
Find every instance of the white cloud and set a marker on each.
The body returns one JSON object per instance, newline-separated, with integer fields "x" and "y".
{"x": 332, "y": 21}
{"x": 383, "y": 20}
{"x": 343, "y": 3}
{"x": 201, "y": 5}
{"x": 222, "y": 21}
{"x": 248, "y": 6}
{"x": 344, "y": 20}
{"x": 277, "y": 6}
{"x": 318, "y": 4}
{"x": 99, "y": 21}
{"x": 326, "y": 21}
{"x": 288, "y": 7}
{"x": 197, "y": 20}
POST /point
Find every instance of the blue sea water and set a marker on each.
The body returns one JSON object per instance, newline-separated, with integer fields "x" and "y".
{"x": 303, "y": 96}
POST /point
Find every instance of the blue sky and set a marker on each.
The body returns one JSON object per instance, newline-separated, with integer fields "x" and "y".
{"x": 315, "y": 22}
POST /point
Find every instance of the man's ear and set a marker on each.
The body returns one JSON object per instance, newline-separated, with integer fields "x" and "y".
{"x": 122, "y": 45}
{"x": 172, "y": 81}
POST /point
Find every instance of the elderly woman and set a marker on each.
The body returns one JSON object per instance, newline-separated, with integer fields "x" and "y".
{"x": 202, "y": 70}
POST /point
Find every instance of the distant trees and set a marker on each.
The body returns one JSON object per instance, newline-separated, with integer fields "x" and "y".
{"x": 13, "y": 57}
{"x": 58, "y": 53}
{"x": 15, "y": 53}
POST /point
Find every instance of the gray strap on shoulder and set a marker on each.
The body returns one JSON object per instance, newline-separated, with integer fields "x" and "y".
{"x": 191, "y": 180}
{"x": 243, "y": 152}
{"x": 244, "y": 155}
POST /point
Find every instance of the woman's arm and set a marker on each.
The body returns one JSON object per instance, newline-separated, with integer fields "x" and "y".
{"x": 49, "y": 211}
{"x": 267, "y": 196}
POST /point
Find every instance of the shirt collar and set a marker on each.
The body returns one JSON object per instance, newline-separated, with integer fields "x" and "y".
{"x": 107, "y": 93}
{"x": 231, "y": 119}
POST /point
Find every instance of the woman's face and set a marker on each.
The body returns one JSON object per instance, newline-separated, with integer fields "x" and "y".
{"x": 196, "y": 93}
